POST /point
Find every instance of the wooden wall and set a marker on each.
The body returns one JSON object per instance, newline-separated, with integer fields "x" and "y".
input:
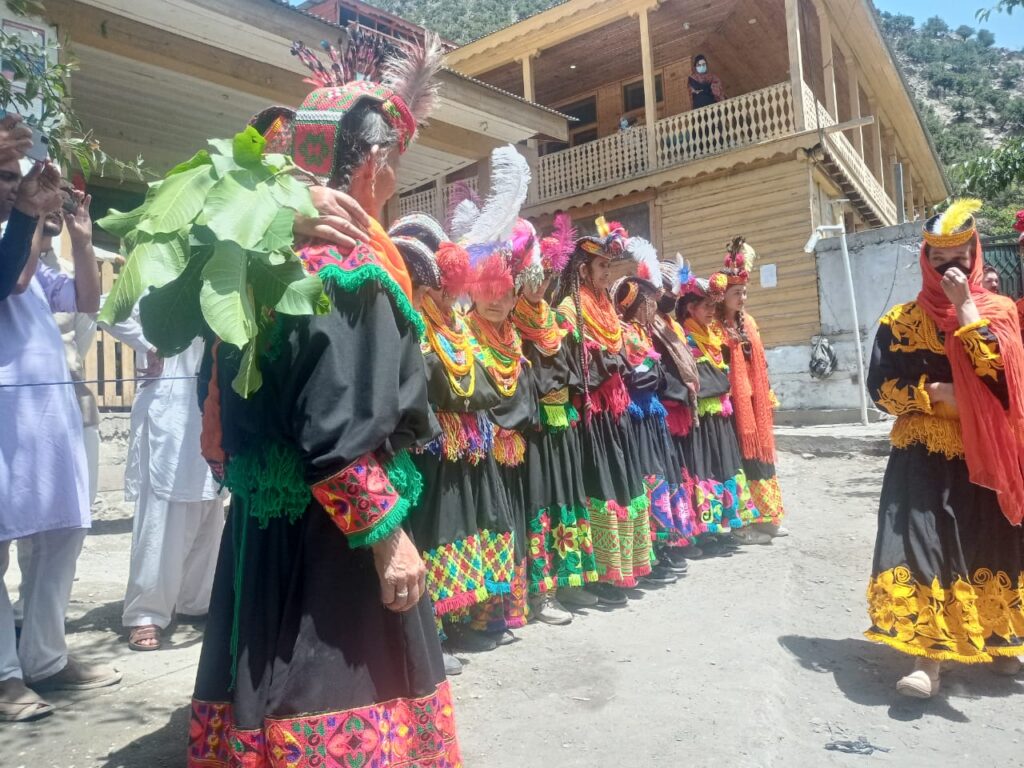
{"x": 771, "y": 206}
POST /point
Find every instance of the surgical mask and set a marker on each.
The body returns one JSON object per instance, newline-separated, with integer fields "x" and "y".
{"x": 702, "y": 69}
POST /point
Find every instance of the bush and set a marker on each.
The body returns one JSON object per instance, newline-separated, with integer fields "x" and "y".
{"x": 986, "y": 38}
{"x": 965, "y": 31}
{"x": 935, "y": 27}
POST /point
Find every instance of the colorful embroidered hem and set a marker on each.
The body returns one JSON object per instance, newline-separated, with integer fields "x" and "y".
{"x": 673, "y": 522}
{"x": 622, "y": 540}
{"x": 469, "y": 571}
{"x": 970, "y": 621}
{"x": 363, "y": 499}
{"x": 767, "y": 497}
{"x": 401, "y": 733}
{"x": 561, "y": 549}
{"x": 724, "y": 507}
{"x": 508, "y": 611}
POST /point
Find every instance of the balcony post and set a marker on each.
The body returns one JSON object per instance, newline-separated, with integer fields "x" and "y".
{"x": 876, "y": 143}
{"x": 853, "y": 76}
{"x": 828, "y": 63}
{"x": 529, "y": 85}
{"x": 796, "y": 63}
{"x": 650, "y": 91}
{"x": 909, "y": 188}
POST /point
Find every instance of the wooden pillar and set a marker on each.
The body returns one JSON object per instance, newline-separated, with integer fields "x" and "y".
{"x": 796, "y": 63}
{"x": 891, "y": 158}
{"x": 856, "y": 135}
{"x": 828, "y": 63}
{"x": 908, "y": 189}
{"x": 650, "y": 92}
{"x": 529, "y": 85}
{"x": 876, "y": 143}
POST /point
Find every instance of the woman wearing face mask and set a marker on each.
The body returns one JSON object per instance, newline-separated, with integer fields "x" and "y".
{"x": 613, "y": 478}
{"x": 645, "y": 380}
{"x": 705, "y": 89}
{"x": 948, "y": 573}
{"x": 721, "y": 491}
{"x": 561, "y": 556}
{"x": 752, "y": 397}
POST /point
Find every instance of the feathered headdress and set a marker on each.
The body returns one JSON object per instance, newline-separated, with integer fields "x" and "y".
{"x": 739, "y": 261}
{"x": 527, "y": 265}
{"x": 556, "y": 249}
{"x": 954, "y": 227}
{"x": 698, "y": 287}
{"x": 646, "y": 257}
{"x": 510, "y": 183}
{"x": 451, "y": 260}
{"x": 399, "y": 78}
{"x": 672, "y": 276}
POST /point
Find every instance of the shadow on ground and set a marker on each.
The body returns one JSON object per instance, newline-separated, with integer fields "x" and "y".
{"x": 163, "y": 748}
{"x": 867, "y": 672}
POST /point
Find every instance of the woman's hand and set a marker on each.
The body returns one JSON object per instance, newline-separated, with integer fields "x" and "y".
{"x": 401, "y": 571}
{"x": 941, "y": 392}
{"x": 958, "y": 290}
{"x": 342, "y": 221}
{"x": 39, "y": 192}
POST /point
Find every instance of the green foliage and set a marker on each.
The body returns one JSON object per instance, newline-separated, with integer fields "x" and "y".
{"x": 965, "y": 31}
{"x": 991, "y": 173}
{"x": 934, "y": 27}
{"x": 213, "y": 244}
{"x": 1003, "y": 6}
{"x": 986, "y": 38}
{"x": 462, "y": 22}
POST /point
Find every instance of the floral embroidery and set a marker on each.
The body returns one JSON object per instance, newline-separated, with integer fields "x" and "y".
{"x": 401, "y": 733}
{"x": 970, "y": 621}
{"x": 362, "y": 501}
{"x": 912, "y": 330}
{"x": 561, "y": 552}
{"x": 983, "y": 348}
{"x": 900, "y": 397}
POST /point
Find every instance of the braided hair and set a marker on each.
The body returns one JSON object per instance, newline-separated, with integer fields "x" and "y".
{"x": 739, "y": 332}
{"x": 569, "y": 286}
{"x": 360, "y": 130}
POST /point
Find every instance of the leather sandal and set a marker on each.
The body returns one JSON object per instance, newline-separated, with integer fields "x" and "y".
{"x": 19, "y": 704}
{"x": 139, "y": 636}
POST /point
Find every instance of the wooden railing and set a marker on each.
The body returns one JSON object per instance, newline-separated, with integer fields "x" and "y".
{"x": 853, "y": 164}
{"x": 748, "y": 119}
{"x": 110, "y": 361}
{"x": 432, "y": 201}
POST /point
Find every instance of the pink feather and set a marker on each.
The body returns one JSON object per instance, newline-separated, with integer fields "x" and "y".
{"x": 560, "y": 244}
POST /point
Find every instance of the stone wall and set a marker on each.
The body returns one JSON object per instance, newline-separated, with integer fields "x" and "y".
{"x": 114, "y": 431}
{"x": 885, "y": 272}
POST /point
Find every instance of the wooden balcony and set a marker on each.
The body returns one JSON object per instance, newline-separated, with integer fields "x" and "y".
{"x": 434, "y": 200}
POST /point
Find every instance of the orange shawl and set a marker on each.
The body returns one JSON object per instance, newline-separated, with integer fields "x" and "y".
{"x": 751, "y": 395}
{"x": 389, "y": 257}
{"x": 993, "y": 437}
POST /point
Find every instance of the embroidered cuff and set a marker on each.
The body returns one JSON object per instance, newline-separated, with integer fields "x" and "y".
{"x": 982, "y": 323}
{"x": 899, "y": 397}
{"x": 362, "y": 501}
{"x": 982, "y": 347}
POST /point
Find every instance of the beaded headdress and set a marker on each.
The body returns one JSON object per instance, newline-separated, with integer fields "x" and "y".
{"x": 954, "y": 227}
{"x": 610, "y": 241}
{"x": 739, "y": 261}
{"x": 451, "y": 260}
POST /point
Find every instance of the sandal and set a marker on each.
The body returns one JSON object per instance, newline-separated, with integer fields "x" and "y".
{"x": 144, "y": 638}
{"x": 19, "y": 704}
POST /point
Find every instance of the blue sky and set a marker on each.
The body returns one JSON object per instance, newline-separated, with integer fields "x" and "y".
{"x": 1009, "y": 30}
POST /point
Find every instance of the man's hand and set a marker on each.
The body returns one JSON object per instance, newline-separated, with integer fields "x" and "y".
{"x": 154, "y": 368}
{"x": 342, "y": 221}
{"x": 39, "y": 192}
{"x": 401, "y": 571}
{"x": 79, "y": 223}
{"x": 15, "y": 138}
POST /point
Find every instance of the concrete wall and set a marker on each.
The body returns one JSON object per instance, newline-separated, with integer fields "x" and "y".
{"x": 885, "y": 272}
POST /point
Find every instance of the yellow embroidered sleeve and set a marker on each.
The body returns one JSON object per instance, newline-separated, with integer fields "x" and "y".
{"x": 912, "y": 330}
{"x": 899, "y": 397}
{"x": 983, "y": 348}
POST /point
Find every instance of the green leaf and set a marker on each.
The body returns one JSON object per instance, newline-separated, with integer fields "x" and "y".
{"x": 227, "y": 305}
{"x": 279, "y": 235}
{"x": 287, "y": 287}
{"x": 171, "y": 316}
{"x": 178, "y": 200}
{"x": 240, "y": 212}
{"x": 151, "y": 263}
{"x": 247, "y": 147}
{"x": 222, "y": 146}
{"x": 289, "y": 192}
{"x": 248, "y": 379}
{"x": 120, "y": 224}
{"x": 200, "y": 158}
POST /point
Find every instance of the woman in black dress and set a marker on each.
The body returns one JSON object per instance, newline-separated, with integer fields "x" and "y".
{"x": 948, "y": 574}
{"x": 320, "y": 646}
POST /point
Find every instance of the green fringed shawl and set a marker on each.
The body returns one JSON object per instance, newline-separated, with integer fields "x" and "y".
{"x": 351, "y": 280}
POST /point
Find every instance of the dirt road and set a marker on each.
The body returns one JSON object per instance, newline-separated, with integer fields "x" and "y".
{"x": 753, "y": 660}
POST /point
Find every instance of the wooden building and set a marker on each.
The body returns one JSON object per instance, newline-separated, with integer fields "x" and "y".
{"x": 157, "y": 78}
{"x": 815, "y": 111}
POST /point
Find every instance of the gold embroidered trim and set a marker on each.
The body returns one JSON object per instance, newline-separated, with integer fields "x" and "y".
{"x": 942, "y": 436}
{"x": 983, "y": 350}
{"x": 899, "y": 400}
{"x": 912, "y": 330}
{"x": 558, "y": 397}
{"x": 955, "y": 623}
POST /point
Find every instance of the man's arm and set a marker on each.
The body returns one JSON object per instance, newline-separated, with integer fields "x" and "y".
{"x": 87, "y": 276}
{"x": 15, "y": 248}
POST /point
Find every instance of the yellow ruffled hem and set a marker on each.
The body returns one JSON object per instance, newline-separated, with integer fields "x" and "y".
{"x": 935, "y": 655}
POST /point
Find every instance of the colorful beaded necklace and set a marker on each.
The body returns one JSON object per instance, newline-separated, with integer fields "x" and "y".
{"x": 708, "y": 340}
{"x": 501, "y": 351}
{"x": 537, "y": 323}
{"x": 637, "y": 343}
{"x": 453, "y": 347}
{"x": 600, "y": 319}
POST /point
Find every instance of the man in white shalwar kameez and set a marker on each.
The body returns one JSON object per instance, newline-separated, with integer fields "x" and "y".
{"x": 43, "y": 473}
{"x": 179, "y": 512}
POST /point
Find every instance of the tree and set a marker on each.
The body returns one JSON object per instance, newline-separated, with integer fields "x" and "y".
{"x": 898, "y": 24}
{"x": 986, "y": 38}
{"x": 1003, "y": 6}
{"x": 991, "y": 173}
{"x": 935, "y": 27}
{"x": 965, "y": 31}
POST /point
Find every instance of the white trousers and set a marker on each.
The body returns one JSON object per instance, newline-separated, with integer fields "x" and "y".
{"x": 174, "y": 554}
{"x": 45, "y": 591}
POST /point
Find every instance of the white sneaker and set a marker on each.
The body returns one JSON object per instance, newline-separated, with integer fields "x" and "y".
{"x": 546, "y": 609}
{"x": 923, "y": 682}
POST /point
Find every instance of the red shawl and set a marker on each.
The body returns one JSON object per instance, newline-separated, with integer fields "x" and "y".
{"x": 751, "y": 395}
{"x": 993, "y": 437}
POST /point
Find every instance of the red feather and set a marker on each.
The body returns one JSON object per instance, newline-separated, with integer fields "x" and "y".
{"x": 493, "y": 279}
{"x": 453, "y": 263}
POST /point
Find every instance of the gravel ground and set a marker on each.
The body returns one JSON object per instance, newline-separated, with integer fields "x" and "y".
{"x": 752, "y": 660}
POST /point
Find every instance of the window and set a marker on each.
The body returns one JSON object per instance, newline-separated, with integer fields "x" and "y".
{"x": 633, "y": 94}
{"x": 584, "y": 137}
{"x": 584, "y": 111}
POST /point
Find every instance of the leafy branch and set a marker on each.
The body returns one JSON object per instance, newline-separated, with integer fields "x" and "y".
{"x": 991, "y": 173}
{"x": 35, "y": 85}
{"x": 1003, "y": 6}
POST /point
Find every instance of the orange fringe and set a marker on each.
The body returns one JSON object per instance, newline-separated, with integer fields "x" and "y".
{"x": 509, "y": 447}
{"x": 752, "y": 396}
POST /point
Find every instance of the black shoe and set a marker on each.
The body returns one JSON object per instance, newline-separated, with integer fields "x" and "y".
{"x": 607, "y": 594}
{"x": 679, "y": 569}
{"x": 659, "y": 576}
{"x": 470, "y": 640}
{"x": 673, "y": 557}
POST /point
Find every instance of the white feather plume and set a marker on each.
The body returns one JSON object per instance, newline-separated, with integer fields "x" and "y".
{"x": 412, "y": 74}
{"x": 510, "y": 182}
{"x": 463, "y": 217}
{"x": 646, "y": 257}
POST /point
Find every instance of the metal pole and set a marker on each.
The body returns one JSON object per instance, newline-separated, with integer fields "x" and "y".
{"x": 862, "y": 380}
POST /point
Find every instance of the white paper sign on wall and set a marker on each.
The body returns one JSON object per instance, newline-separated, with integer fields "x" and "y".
{"x": 769, "y": 276}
